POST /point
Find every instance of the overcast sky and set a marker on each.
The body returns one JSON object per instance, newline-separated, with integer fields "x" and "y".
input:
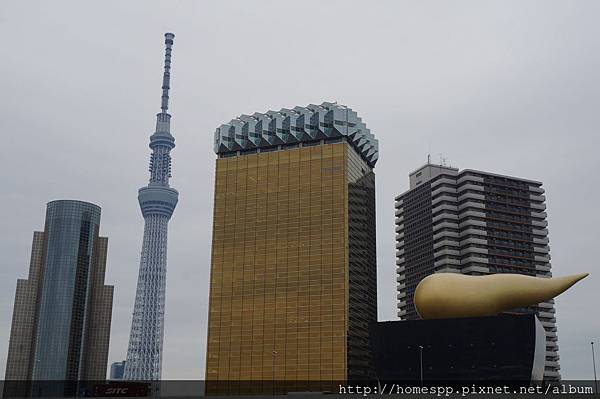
{"x": 510, "y": 87}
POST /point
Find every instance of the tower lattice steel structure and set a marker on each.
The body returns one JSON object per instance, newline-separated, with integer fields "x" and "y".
{"x": 157, "y": 201}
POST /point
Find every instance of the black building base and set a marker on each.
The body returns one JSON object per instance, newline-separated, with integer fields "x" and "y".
{"x": 502, "y": 348}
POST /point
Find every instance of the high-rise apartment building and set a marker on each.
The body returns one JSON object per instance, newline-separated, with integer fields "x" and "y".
{"x": 475, "y": 223}
{"x": 157, "y": 202}
{"x": 293, "y": 270}
{"x": 62, "y": 313}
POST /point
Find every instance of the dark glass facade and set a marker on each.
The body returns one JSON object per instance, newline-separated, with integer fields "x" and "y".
{"x": 70, "y": 226}
{"x": 116, "y": 370}
{"x": 490, "y": 350}
{"x": 62, "y": 314}
{"x": 362, "y": 270}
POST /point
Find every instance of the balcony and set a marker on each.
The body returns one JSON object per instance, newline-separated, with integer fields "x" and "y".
{"x": 540, "y": 198}
{"x": 443, "y": 189}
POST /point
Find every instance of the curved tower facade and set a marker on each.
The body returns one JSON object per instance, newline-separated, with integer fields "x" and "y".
{"x": 157, "y": 201}
{"x": 62, "y": 311}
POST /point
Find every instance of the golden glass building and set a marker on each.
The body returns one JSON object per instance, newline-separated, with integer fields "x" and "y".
{"x": 293, "y": 273}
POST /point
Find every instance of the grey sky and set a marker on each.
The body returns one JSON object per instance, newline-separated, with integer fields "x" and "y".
{"x": 509, "y": 87}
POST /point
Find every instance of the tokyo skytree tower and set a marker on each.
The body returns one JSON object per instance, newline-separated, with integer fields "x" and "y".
{"x": 157, "y": 201}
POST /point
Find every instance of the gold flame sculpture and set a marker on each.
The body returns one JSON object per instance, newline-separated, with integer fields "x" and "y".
{"x": 451, "y": 295}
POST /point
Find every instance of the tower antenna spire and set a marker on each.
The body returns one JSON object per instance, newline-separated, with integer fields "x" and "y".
{"x": 164, "y": 106}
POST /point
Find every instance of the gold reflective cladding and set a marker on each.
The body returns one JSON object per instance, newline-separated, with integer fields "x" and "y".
{"x": 279, "y": 289}
{"x": 450, "y": 295}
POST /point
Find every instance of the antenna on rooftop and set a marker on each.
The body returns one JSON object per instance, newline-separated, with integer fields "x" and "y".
{"x": 428, "y": 153}
{"x": 442, "y": 159}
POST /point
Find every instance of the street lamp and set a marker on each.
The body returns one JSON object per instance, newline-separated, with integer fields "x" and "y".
{"x": 421, "y": 361}
{"x": 273, "y": 367}
{"x": 594, "y": 362}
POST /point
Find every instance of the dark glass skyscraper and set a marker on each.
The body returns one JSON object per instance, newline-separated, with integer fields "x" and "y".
{"x": 62, "y": 312}
{"x": 293, "y": 272}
